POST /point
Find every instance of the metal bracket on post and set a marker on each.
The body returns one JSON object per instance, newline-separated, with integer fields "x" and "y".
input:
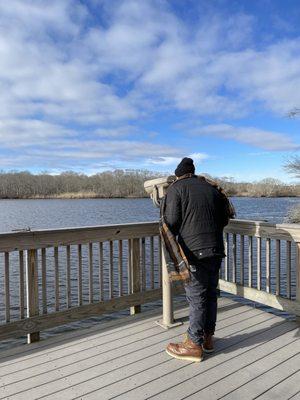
{"x": 167, "y": 320}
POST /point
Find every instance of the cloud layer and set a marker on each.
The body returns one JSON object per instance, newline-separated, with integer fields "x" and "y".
{"x": 79, "y": 79}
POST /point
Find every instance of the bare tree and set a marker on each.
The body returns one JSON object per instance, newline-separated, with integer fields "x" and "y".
{"x": 293, "y": 166}
{"x": 294, "y": 113}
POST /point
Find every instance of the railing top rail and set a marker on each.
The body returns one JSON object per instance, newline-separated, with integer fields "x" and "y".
{"x": 39, "y": 238}
{"x": 264, "y": 229}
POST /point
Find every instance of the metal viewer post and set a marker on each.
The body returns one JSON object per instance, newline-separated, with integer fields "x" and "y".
{"x": 157, "y": 189}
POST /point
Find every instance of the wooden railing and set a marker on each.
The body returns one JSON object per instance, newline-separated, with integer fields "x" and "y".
{"x": 54, "y": 277}
{"x": 263, "y": 263}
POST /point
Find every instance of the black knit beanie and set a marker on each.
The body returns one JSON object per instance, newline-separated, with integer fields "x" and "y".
{"x": 186, "y": 166}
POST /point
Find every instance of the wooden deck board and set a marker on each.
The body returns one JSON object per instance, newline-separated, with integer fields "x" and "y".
{"x": 92, "y": 355}
{"x": 126, "y": 360}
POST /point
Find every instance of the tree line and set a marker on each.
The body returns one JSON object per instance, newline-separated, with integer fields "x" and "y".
{"x": 118, "y": 184}
{"x": 109, "y": 184}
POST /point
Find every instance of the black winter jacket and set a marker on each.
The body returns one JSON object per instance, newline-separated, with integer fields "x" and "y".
{"x": 195, "y": 212}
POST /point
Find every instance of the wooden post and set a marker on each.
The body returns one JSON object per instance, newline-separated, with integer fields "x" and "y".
{"x": 288, "y": 268}
{"x": 226, "y": 261}
{"x": 250, "y": 260}
{"x": 21, "y": 287}
{"x": 242, "y": 245}
{"x": 259, "y": 263}
{"x": 234, "y": 258}
{"x": 167, "y": 321}
{"x": 298, "y": 271}
{"x": 32, "y": 293}
{"x": 278, "y": 256}
{"x": 268, "y": 265}
{"x": 135, "y": 273}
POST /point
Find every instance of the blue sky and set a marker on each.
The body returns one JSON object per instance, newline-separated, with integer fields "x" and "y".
{"x": 95, "y": 85}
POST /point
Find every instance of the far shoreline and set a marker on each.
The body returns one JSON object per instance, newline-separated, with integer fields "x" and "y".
{"x": 81, "y": 196}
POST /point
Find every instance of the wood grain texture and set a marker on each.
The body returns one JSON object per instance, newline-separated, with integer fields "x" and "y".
{"x": 135, "y": 273}
{"x": 21, "y": 285}
{"x": 120, "y": 266}
{"x": 242, "y": 258}
{"x": 234, "y": 258}
{"x": 32, "y": 294}
{"x": 56, "y": 278}
{"x": 42, "y": 322}
{"x": 91, "y": 275}
{"x": 262, "y": 297}
{"x": 288, "y": 268}
{"x": 44, "y": 281}
{"x": 258, "y": 244}
{"x": 36, "y": 239}
{"x": 101, "y": 266}
{"x": 79, "y": 274}
{"x": 268, "y": 265}
{"x": 68, "y": 276}
{"x": 278, "y": 263}
{"x": 250, "y": 260}
{"x": 6, "y": 287}
{"x": 111, "y": 269}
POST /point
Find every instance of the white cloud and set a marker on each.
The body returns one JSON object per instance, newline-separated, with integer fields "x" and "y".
{"x": 272, "y": 141}
{"x": 173, "y": 161}
{"x": 69, "y": 78}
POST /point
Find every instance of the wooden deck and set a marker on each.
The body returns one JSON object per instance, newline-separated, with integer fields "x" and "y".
{"x": 257, "y": 356}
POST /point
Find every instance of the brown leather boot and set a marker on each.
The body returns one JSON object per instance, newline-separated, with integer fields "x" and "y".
{"x": 187, "y": 350}
{"x": 208, "y": 345}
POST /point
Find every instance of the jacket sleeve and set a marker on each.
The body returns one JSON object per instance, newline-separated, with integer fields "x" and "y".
{"x": 223, "y": 212}
{"x": 173, "y": 215}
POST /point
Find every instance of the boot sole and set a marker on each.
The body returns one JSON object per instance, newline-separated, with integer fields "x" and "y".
{"x": 188, "y": 358}
{"x": 208, "y": 351}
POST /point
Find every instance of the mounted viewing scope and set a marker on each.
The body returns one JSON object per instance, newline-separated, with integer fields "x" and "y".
{"x": 157, "y": 187}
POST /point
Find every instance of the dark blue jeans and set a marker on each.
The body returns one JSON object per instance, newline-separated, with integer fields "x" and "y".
{"x": 201, "y": 294}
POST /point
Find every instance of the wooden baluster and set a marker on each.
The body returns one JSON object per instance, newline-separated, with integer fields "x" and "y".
{"x": 6, "y": 287}
{"x": 129, "y": 266}
{"x": 159, "y": 278}
{"x": 242, "y": 251}
{"x": 21, "y": 286}
{"x": 143, "y": 264}
{"x": 152, "y": 261}
{"x": 135, "y": 273}
{"x": 258, "y": 244}
{"x": 101, "y": 271}
{"x": 250, "y": 260}
{"x": 32, "y": 293}
{"x": 68, "y": 276}
{"x": 234, "y": 258}
{"x": 56, "y": 278}
{"x": 91, "y": 287}
{"x": 120, "y": 267}
{"x": 226, "y": 261}
{"x": 298, "y": 271}
{"x": 278, "y": 257}
{"x": 79, "y": 275}
{"x": 268, "y": 265}
{"x": 288, "y": 268}
{"x": 111, "y": 269}
{"x": 44, "y": 282}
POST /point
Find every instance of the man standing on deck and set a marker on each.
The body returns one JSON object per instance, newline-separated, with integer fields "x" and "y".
{"x": 195, "y": 212}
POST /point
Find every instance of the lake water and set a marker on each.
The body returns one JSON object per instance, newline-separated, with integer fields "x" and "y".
{"x": 56, "y": 213}
{"x": 47, "y": 214}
